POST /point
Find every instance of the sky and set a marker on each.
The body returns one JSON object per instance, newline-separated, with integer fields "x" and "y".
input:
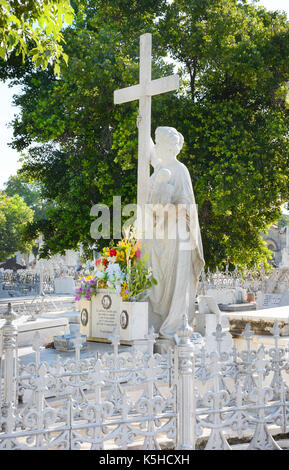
{"x": 9, "y": 158}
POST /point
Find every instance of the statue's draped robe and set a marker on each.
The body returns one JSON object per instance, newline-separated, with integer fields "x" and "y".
{"x": 176, "y": 267}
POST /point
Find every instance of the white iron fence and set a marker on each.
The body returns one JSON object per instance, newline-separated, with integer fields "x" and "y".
{"x": 253, "y": 280}
{"x": 30, "y": 282}
{"x": 27, "y": 282}
{"x": 129, "y": 400}
{"x": 24, "y": 282}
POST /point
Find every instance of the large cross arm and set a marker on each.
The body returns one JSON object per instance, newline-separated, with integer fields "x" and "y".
{"x": 163, "y": 85}
{"x": 125, "y": 95}
{"x": 155, "y": 87}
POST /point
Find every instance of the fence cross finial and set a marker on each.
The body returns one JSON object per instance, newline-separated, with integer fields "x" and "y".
{"x": 115, "y": 340}
{"x": 260, "y": 363}
{"x": 215, "y": 365}
{"x": 275, "y": 331}
{"x": 151, "y": 337}
{"x": 219, "y": 335}
{"x": 185, "y": 331}
{"x": 37, "y": 345}
{"x": 78, "y": 343}
{"x": 248, "y": 333}
{"x": 9, "y": 315}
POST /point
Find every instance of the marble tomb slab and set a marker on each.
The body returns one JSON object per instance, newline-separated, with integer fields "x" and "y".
{"x": 47, "y": 328}
{"x": 267, "y": 300}
{"x": 261, "y": 321}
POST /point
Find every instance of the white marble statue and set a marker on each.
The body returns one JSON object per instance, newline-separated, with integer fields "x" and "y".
{"x": 176, "y": 261}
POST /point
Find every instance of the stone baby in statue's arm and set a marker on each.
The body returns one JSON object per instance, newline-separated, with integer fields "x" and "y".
{"x": 161, "y": 187}
{"x": 162, "y": 190}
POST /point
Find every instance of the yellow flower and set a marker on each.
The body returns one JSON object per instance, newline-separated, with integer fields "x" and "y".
{"x": 120, "y": 256}
{"x": 123, "y": 244}
{"x": 124, "y": 291}
{"x": 105, "y": 251}
{"x": 132, "y": 252}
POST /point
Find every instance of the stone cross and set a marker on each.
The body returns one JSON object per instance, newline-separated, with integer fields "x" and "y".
{"x": 143, "y": 92}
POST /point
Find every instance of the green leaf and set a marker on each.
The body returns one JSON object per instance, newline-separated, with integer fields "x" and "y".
{"x": 65, "y": 58}
{"x": 57, "y": 69}
{"x": 2, "y": 52}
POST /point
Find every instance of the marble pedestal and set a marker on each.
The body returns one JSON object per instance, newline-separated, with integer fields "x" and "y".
{"x": 99, "y": 321}
{"x": 208, "y": 316}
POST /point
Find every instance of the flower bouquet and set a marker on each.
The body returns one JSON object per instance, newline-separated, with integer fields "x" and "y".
{"x": 121, "y": 268}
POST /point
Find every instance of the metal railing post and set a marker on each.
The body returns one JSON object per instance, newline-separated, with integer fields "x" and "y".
{"x": 185, "y": 387}
{"x": 9, "y": 368}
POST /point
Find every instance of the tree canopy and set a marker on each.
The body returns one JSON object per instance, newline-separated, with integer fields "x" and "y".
{"x": 29, "y": 192}
{"x": 33, "y": 28}
{"x": 14, "y": 215}
{"x": 283, "y": 221}
{"x": 232, "y": 109}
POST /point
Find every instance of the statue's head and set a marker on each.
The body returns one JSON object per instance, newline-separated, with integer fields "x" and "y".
{"x": 169, "y": 142}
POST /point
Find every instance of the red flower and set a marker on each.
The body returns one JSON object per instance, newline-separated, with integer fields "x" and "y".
{"x": 112, "y": 252}
{"x": 97, "y": 261}
{"x": 105, "y": 262}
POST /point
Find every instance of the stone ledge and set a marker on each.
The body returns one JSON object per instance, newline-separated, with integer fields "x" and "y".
{"x": 46, "y": 327}
{"x": 248, "y": 306}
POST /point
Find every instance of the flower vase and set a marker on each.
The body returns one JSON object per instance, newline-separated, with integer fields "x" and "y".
{"x": 133, "y": 321}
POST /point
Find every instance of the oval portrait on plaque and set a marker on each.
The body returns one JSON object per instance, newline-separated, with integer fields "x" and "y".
{"x": 84, "y": 317}
{"x": 124, "y": 319}
{"x": 106, "y": 301}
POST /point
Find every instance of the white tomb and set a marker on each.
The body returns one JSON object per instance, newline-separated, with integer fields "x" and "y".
{"x": 265, "y": 300}
{"x": 227, "y": 295}
{"x": 47, "y": 328}
{"x": 64, "y": 285}
{"x": 261, "y": 323}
